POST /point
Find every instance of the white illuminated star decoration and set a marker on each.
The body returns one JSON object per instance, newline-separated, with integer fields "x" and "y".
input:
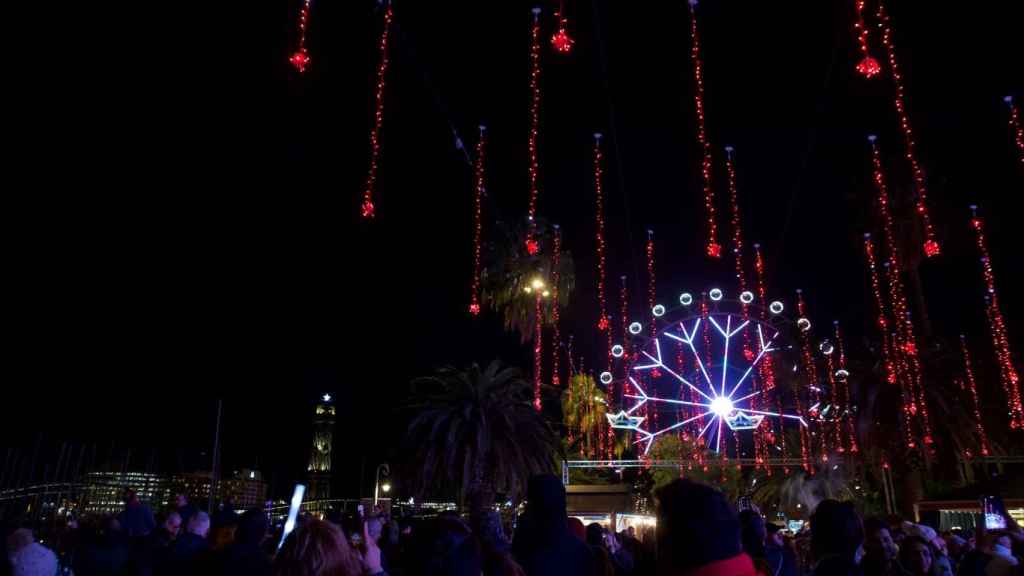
{"x": 327, "y": 397}
{"x": 725, "y": 402}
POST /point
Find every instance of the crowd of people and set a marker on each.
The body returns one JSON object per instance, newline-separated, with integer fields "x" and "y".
{"x": 698, "y": 534}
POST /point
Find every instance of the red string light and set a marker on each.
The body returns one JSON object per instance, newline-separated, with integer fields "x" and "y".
{"x": 811, "y": 374}
{"x": 367, "y": 208}
{"x": 1015, "y": 128}
{"x": 842, "y": 376}
{"x": 867, "y": 66}
{"x": 712, "y": 248}
{"x": 561, "y": 40}
{"x": 904, "y": 349}
{"x": 300, "y": 58}
{"x": 474, "y": 304}
{"x": 766, "y": 370}
{"x": 888, "y": 366}
{"x": 737, "y": 232}
{"x": 603, "y": 321}
{"x": 972, "y": 388}
{"x": 997, "y": 327}
{"x": 532, "y": 245}
{"x": 651, "y": 302}
{"x": 624, "y": 314}
{"x": 931, "y": 245}
{"x": 538, "y": 350}
{"x": 556, "y": 278}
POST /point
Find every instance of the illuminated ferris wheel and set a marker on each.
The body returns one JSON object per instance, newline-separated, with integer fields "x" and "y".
{"x": 708, "y": 367}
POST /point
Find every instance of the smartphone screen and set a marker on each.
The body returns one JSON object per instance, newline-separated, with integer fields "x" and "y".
{"x": 995, "y": 512}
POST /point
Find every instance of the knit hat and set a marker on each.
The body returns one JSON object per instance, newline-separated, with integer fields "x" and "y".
{"x": 33, "y": 560}
{"x": 696, "y": 525}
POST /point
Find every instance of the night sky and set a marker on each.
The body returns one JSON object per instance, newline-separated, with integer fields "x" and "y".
{"x": 191, "y": 231}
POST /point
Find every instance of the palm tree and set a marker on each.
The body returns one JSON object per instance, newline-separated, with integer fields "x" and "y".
{"x": 510, "y": 270}
{"x": 478, "y": 433}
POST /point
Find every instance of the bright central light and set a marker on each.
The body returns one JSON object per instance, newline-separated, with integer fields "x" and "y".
{"x": 721, "y": 406}
{"x": 537, "y": 284}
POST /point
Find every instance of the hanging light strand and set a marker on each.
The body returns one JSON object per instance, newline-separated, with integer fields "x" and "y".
{"x": 712, "y": 247}
{"x": 905, "y": 345}
{"x": 367, "y": 209}
{"x": 603, "y": 323}
{"x": 627, "y": 388}
{"x": 474, "y": 304}
{"x": 556, "y": 278}
{"x": 1015, "y": 127}
{"x": 651, "y": 301}
{"x": 737, "y": 232}
{"x": 997, "y": 327}
{"x": 843, "y": 377}
{"x": 972, "y": 388}
{"x": 868, "y": 66}
{"x": 300, "y": 58}
{"x": 931, "y": 245}
{"x": 532, "y": 245}
{"x": 538, "y": 349}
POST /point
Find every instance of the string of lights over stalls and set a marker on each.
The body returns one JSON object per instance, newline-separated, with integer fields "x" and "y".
{"x": 300, "y": 58}
{"x": 367, "y": 209}
{"x": 1015, "y": 128}
{"x": 712, "y": 247}
{"x": 931, "y": 245}
{"x": 478, "y": 193}
{"x": 532, "y": 245}
{"x": 997, "y": 327}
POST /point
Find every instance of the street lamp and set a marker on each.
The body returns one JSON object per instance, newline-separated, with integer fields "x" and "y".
{"x": 377, "y": 486}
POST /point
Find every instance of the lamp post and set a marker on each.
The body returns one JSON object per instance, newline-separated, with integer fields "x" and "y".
{"x": 379, "y": 487}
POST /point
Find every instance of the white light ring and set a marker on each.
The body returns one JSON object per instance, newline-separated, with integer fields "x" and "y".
{"x": 635, "y": 328}
{"x": 715, "y": 294}
{"x": 686, "y": 298}
{"x": 618, "y": 351}
{"x": 746, "y": 297}
{"x": 606, "y": 377}
{"x": 776, "y": 307}
{"x": 658, "y": 310}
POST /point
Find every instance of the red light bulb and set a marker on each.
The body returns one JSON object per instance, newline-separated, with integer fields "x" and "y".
{"x": 931, "y": 248}
{"x": 474, "y": 309}
{"x": 532, "y": 247}
{"x": 602, "y": 324}
{"x": 367, "y": 209}
{"x": 562, "y": 41}
{"x": 714, "y": 250}
{"x": 300, "y": 60}
{"x": 869, "y": 67}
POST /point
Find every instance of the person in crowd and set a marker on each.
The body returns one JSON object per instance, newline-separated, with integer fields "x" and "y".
{"x": 182, "y": 555}
{"x": 542, "y": 543}
{"x": 183, "y": 508}
{"x": 780, "y": 558}
{"x": 753, "y": 535}
{"x": 957, "y": 547}
{"x": 941, "y": 565}
{"x": 698, "y": 533}
{"x": 136, "y": 519}
{"x": 879, "y": 550}
{"x": 577, "y": 529}
{"x": 153, "y": 548}
{"x": 836, "y": 536}
{"x": 595, "y": 537}
{"x": 1003, "y": 562}
{"x": 444, "y": 546}
{"x": 103, "y": 549}
{"x": 244, "y": 556}
{"x": 916, "y": 556}
{"x": 319, "y": 548}
{"x": 28, "y": 557}
{"x": 495, "y": 549}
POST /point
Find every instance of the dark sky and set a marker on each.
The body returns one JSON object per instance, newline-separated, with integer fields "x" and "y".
{"x": 188, "y": 228}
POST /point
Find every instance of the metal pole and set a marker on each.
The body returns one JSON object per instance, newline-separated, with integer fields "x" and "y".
{"x": 215, "y": 466}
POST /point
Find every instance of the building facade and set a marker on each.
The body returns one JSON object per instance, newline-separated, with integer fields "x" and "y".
{"x": 103, "y": 492}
